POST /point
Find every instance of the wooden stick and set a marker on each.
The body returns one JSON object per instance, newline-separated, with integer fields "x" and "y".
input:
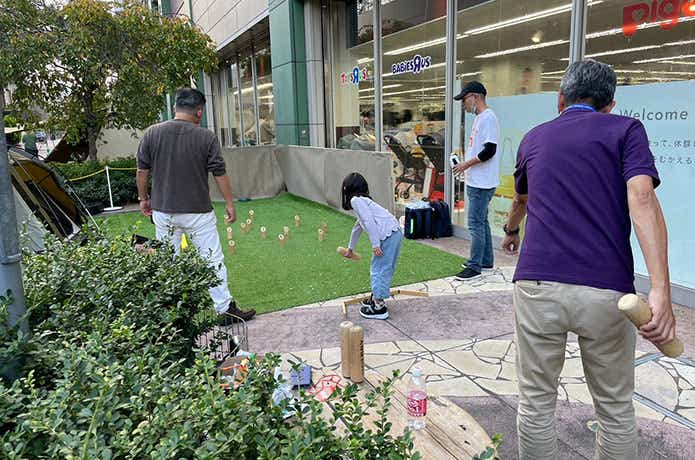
{"x": 638, "y": 311}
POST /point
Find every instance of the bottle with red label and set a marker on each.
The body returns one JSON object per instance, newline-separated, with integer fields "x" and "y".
{"x": 417, "y": 400}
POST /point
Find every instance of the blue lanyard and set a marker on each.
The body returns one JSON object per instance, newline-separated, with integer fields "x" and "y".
{"x": 579, "y": 107}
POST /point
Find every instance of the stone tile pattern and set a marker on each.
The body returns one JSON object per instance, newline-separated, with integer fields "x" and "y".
{"x": 475, "y": 368}
{"x": 499, "y": 279}
{"x": 485, "y": 367}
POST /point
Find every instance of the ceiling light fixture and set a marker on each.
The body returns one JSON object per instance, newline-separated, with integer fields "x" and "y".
{"x": 250, "y": 88}
{"x": 383, "y": 87}
{"x": 639, "y": 48}
{"x": 677, "y": 62}
{"x": 682, "y": 56}
{"x": 526, "y": 18}
{"x": 590, "y": 36}
{"x": 522, "y": 49}
{"x": 646, "y": 25}
{"x": 408, "y": 91}
{"x": 418, "y": 46}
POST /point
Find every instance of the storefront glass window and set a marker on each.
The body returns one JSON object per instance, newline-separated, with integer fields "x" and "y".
{"x": 264, "y": 86}
{"x": 352, "y": 75}
{"x": 219, "y": 91}
{"x": 511, "y": 47}
{"x": 248, "y": 112}
{"x": 651, "y": 45}
{"x": 233, "y": 104}
{"x": 414, "y": 80}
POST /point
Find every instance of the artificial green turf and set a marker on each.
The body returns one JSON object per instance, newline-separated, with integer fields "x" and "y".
{"x": 267, "y": 277}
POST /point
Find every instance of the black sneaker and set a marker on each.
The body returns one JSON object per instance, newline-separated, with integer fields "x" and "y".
{"x": 485, "y": 267}
{"x": 368, "y": 302}
{"x": 374, "y": 311}
{"x": 468, "y": 274}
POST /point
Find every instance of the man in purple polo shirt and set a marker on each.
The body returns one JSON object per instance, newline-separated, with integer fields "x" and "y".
{"x": 582, "y": 178}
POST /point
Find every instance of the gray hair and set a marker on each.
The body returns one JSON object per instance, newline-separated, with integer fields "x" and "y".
{"x": 189, "y": 100}
{"x": 589, "y": 81}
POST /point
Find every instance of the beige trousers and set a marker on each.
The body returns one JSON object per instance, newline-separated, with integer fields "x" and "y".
{"x": 545, "y": 312}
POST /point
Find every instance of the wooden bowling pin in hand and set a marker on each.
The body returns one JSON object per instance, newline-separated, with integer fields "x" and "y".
{"x": 348, "y": 254}
{"x": 638, "y": 311}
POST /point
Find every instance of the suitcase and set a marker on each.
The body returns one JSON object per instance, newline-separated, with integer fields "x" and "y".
{"x": 441, "y": 219}
{"x": 418, "y": 223}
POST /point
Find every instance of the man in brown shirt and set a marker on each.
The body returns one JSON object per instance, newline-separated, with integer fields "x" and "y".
{"x": 180, "y": 154}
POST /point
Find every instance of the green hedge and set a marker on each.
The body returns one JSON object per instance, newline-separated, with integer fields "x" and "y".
{"x": 94, "y": 189}
{"x": 111, "y": 371}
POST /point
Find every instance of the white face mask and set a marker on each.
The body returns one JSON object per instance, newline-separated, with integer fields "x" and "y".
{"x": 474, "y": 108}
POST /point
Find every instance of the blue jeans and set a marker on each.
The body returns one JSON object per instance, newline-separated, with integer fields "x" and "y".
{"x": 479, "y": 226}
{"x": 382, "y": 269}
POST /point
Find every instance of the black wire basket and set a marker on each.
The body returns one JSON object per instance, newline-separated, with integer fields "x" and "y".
{"x": 226, "y": 340}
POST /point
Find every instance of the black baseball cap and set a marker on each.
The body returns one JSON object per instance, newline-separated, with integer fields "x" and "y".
{"x": 474, "y": 87}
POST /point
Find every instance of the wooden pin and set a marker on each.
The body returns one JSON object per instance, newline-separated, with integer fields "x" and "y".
{"x": 281, "y": 238}
{"x": 356, "y": 359}
{"x": 342, "y": 251}
{"x": 345, "y": 347}
{"x": 324, "y": 227}
{"x": 286, "y": 231}
{"x": 243, "y": 228}
{"x": 230, "y": 233}
{"x": 249, "y": 222}
{"x": 232, "y": 247}
{"x": 264, "y": 233}
{"x": 321, "y": 234}
{"x": 251, "y": 214}
{"x": 639, "y": 312}
{"x": 297, "y": 221}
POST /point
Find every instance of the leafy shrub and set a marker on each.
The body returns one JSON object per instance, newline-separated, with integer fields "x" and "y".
{"x": 95, "y": 189}
{"x": 111, "y": 371}
{"x": 11, "y": 122}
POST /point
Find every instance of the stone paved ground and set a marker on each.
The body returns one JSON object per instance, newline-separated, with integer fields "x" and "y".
{"x": 462, "y": 336}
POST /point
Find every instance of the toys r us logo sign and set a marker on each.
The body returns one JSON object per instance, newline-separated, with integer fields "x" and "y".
{"x": 668, "y": 11}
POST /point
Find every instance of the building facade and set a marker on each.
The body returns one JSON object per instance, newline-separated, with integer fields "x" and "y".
{"x": 318, "y": 73}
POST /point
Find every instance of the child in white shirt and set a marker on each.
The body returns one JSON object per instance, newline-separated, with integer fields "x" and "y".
{"x": 385, "y": 235}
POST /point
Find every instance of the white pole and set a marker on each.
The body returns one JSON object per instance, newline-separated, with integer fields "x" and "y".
{"x": 108, "y": 182}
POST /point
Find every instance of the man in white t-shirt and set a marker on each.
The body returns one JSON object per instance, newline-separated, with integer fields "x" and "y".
{"x": 482, "y": 172}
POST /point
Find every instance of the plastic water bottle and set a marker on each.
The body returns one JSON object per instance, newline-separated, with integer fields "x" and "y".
{"x": 417, "y": 400}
